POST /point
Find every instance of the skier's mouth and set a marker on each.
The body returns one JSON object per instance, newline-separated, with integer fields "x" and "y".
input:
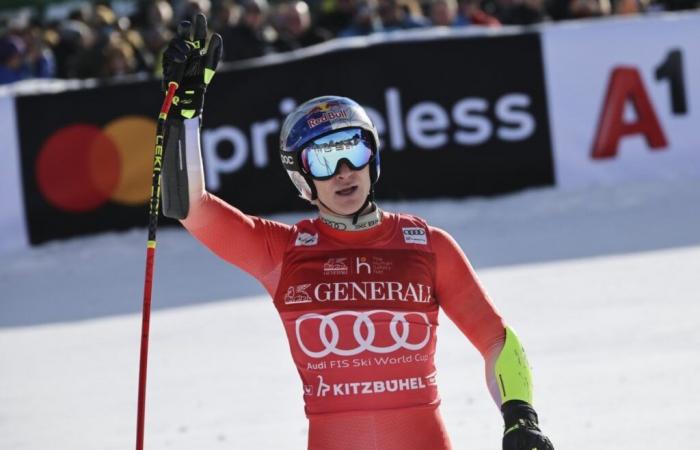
{"x": 347, "y": 191}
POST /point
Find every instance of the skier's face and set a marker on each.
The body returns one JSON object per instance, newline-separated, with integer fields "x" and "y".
{"x": 345, "y": 192}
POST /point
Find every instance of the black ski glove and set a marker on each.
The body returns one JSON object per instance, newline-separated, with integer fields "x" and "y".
{"x": 191, "y": 63}
{"x": 522, "y": 432}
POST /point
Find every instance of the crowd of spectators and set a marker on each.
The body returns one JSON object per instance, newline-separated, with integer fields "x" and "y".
{"x": 94, "y": 41}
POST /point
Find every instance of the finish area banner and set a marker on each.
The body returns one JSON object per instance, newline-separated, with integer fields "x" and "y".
{"x": 457, "y": 115}
{"x": 624, "y": 97}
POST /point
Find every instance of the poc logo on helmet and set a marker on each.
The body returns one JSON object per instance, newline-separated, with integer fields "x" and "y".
{"x": 287, "y": 160}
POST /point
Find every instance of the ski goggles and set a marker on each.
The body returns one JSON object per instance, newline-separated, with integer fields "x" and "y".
{"x": 321, "y": 158}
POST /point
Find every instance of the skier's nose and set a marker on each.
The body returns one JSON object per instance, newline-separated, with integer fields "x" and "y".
{"x": 344, "y": 170}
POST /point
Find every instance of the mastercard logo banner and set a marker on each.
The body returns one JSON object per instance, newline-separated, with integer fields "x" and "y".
{"x": 81, "y": 166}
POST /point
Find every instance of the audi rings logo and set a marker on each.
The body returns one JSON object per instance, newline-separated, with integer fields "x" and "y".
{"x": 414, "y": 235}
{"x": 332, "y": 333}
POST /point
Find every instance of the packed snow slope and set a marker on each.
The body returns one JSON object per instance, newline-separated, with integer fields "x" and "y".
{"x": 601, "y": 286}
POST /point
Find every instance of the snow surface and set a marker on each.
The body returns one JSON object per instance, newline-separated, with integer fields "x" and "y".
{"x": 600, "y": 285}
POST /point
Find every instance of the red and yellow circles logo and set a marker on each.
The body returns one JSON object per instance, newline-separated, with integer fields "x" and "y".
{"x": 81, "y": 167}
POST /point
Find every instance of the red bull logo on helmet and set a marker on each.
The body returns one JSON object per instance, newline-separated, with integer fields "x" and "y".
{"x": 321, "y": 107}
{"x": 327, "y": 117}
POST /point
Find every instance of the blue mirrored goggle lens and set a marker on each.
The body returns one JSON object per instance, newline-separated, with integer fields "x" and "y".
{"x": 323, "y": 156}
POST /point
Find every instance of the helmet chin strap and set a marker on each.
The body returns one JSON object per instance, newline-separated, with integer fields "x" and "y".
{"x": 356, "y": 215}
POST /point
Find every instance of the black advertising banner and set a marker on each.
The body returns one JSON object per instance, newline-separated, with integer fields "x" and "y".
{"x": 86, "y": 158}
{"x": 457, "y": 116}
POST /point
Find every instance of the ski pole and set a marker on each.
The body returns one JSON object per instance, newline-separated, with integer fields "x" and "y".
{"x": 150, "y": 256}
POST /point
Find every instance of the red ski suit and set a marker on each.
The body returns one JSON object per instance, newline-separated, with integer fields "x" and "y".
{"x": 360, "y": 310}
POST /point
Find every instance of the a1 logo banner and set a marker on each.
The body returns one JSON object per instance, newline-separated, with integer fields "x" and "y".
{"x": 623, "y": 97}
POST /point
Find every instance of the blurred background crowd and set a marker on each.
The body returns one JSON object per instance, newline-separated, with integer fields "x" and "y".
{"x": 116, "y": 38}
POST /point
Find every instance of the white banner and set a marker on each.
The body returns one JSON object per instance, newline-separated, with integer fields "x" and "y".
{"x": 13, "y": 234}
{"x": 624, "y": 99}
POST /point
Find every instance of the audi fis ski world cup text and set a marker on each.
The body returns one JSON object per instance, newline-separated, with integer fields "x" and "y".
{"x": 426, "y": 125}
{"x": 367, "y": 362}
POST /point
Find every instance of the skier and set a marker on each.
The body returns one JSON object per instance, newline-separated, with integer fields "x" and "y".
{"x": 358, "y": 288}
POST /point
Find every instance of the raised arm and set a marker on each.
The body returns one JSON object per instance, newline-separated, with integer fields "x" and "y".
{"x": 508, "y": 376}
{"x": 255, "y": 245}
{"x": 251, "y": 243}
